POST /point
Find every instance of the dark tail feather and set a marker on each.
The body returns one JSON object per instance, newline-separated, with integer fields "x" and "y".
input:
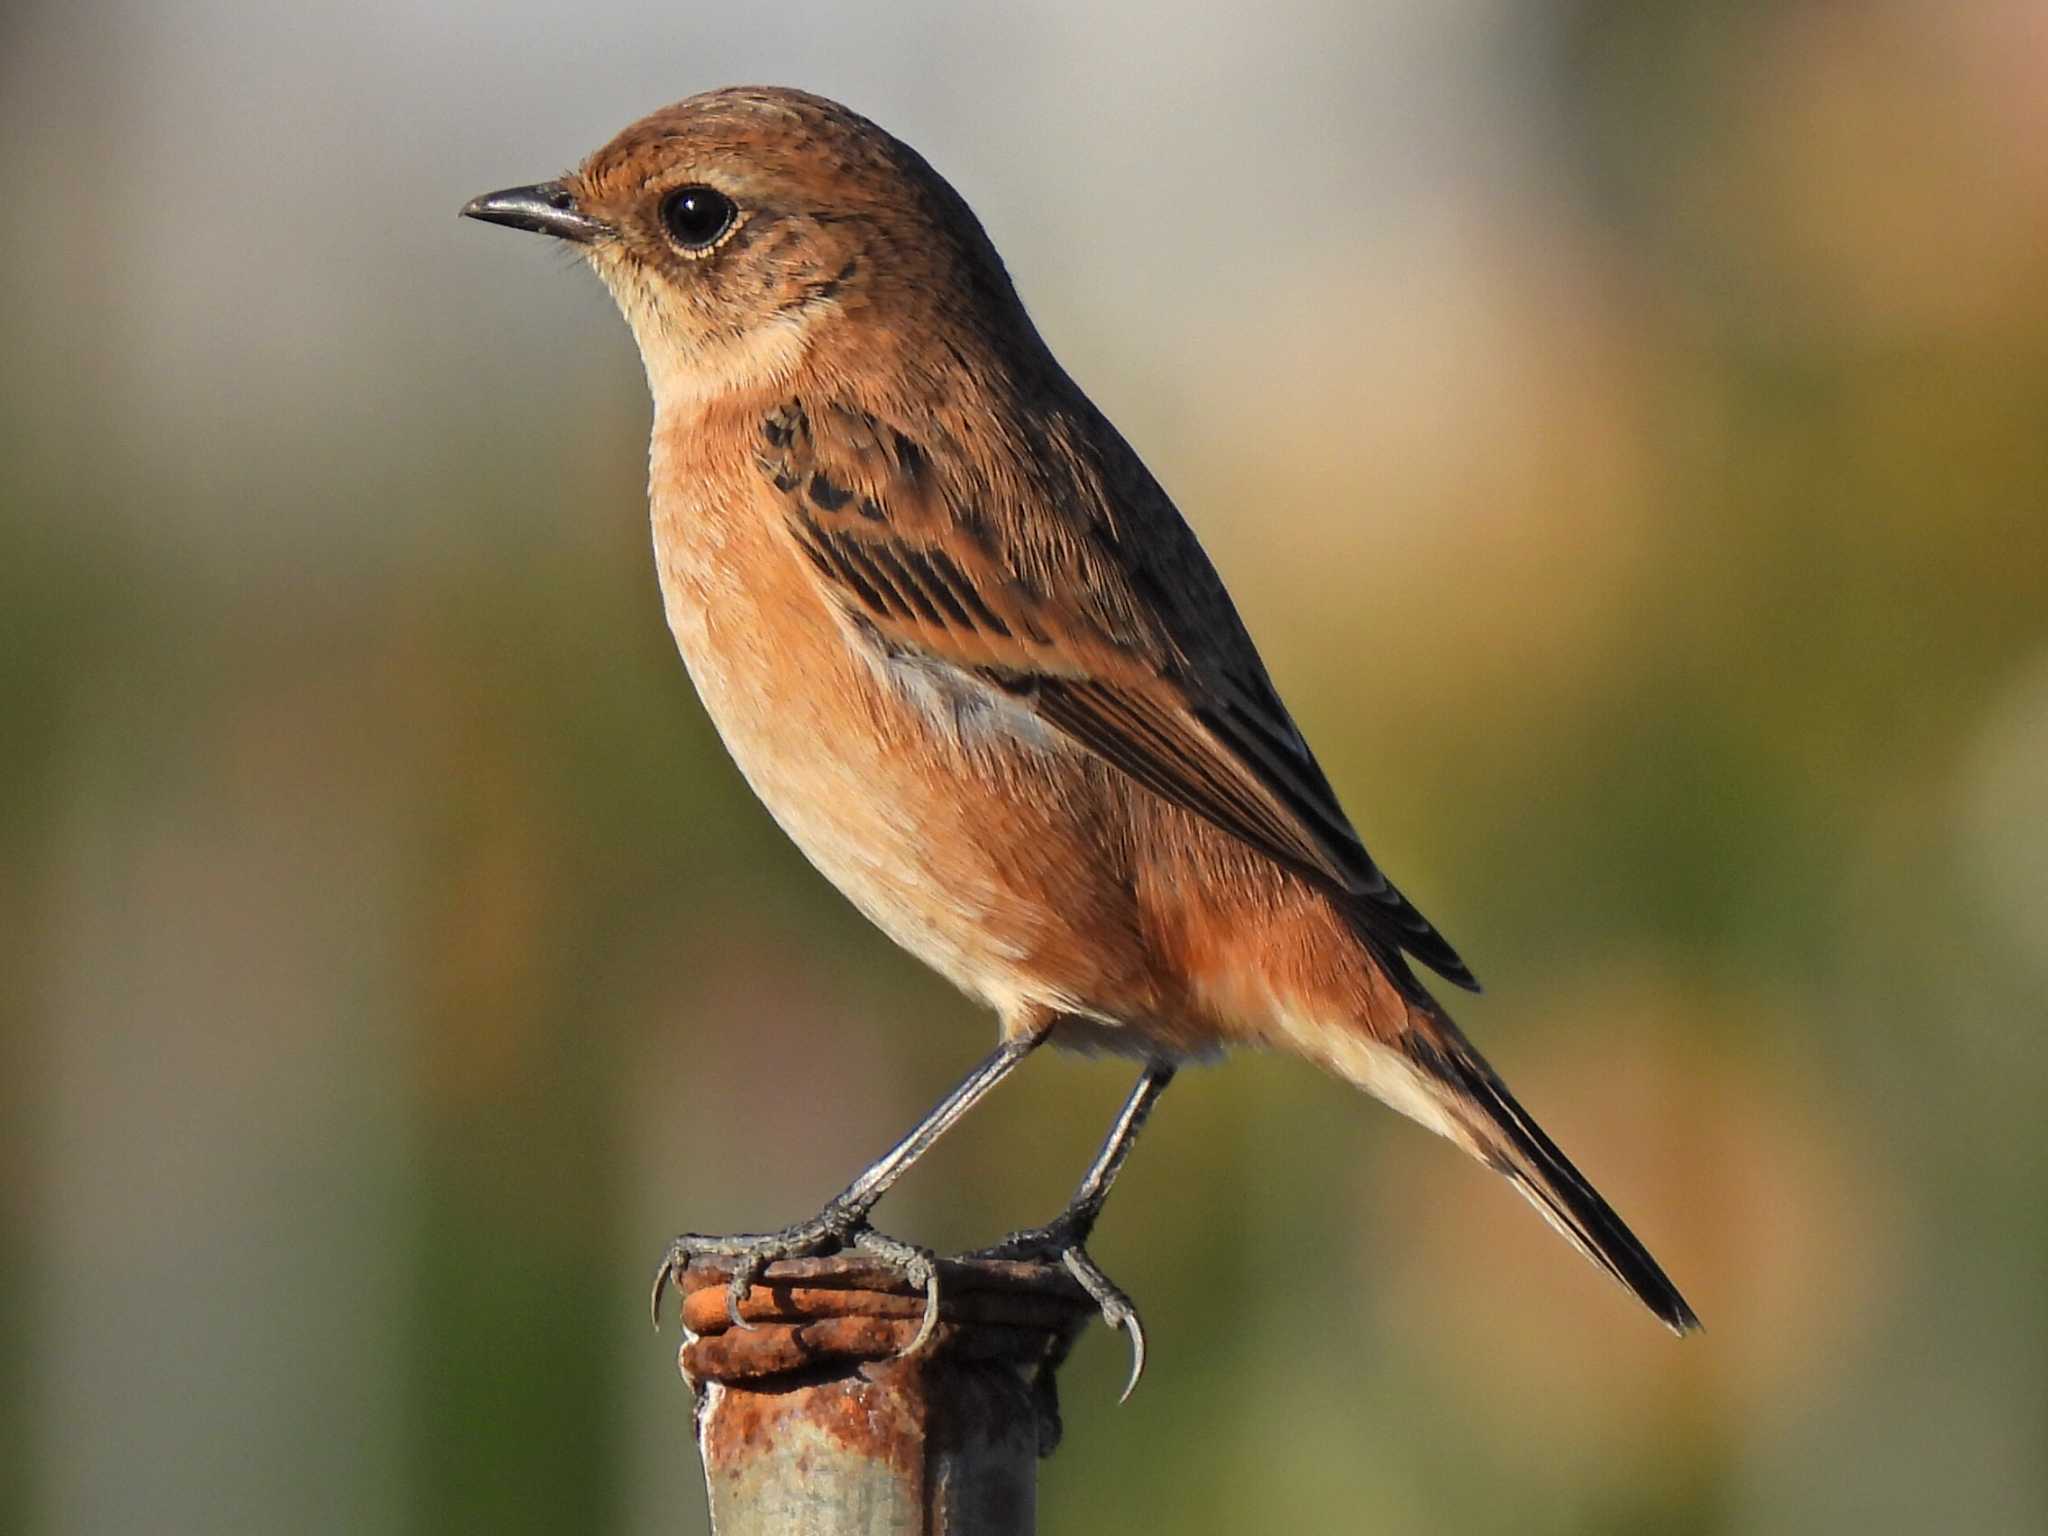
{"x": 1512, "y": 1142}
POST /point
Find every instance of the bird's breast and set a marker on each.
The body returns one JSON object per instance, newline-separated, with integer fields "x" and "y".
{"x": 944, "y": 811}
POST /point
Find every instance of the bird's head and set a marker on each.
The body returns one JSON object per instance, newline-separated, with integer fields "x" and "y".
{"x": 743, "y": 229}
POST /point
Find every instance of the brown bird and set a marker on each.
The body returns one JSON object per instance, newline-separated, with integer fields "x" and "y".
{"x": 973, "y": 661}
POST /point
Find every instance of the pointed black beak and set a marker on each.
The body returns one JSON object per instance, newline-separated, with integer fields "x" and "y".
{"x": 544, "y": 209}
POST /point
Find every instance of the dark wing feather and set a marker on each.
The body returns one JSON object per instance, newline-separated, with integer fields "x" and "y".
{"x": 1110, "y": 625}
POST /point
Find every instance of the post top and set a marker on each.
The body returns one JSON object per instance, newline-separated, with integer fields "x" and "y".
{"x": 817, "y": 1314}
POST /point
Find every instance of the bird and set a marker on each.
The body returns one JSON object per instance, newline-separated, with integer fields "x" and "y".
{"x": 969, "y": 655}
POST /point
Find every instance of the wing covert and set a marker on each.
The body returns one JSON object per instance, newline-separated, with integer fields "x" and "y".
{"x": 1110, "y": 625}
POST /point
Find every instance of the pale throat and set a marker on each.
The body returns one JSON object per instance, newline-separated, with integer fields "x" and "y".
{"x": 688, "y": 371}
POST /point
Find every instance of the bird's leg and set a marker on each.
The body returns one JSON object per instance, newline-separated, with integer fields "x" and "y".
{"x": 1064, "y": 1238}
{"x": 1073, "y": 1224}
{"x": 843, "y": 1223}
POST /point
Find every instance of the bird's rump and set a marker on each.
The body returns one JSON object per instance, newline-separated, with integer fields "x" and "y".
{"x": 1099, "y": 614}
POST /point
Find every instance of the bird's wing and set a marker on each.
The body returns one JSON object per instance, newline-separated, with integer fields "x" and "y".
{"x": 1100, "y": 614}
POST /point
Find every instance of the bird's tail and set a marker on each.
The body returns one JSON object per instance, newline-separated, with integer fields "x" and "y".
{"x": 1441, "y": 1081}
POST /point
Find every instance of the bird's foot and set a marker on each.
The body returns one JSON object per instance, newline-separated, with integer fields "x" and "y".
{"x": 833, "y": 1230}
{"x": 1061, "y": 1242}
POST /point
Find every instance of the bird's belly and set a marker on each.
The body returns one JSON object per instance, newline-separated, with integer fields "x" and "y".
{"x": 976, "y": 848}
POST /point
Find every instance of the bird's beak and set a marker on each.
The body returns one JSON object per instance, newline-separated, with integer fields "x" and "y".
{"x": 547, "y": 208}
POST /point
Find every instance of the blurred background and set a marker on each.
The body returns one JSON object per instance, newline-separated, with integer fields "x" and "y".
{"x": 1625, "y": 428}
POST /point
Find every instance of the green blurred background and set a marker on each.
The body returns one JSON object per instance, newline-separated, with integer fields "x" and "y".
{"x": 1625, "y": 427}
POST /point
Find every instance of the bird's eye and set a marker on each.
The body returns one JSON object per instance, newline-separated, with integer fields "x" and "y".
{"x": 696, "y": 217}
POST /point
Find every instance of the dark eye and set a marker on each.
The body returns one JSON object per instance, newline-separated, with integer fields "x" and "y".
{"x": 696, "y": 216}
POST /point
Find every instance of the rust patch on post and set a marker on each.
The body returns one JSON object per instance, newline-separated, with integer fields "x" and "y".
{"x": 812, "y": 1418}
{"x": 872, "y": 1418}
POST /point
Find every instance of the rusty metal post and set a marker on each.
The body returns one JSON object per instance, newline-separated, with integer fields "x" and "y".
{"x": 812, "y": 1423}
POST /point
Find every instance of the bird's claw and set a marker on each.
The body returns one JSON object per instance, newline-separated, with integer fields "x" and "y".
{"x": 749, "y": 1253}
{"x": 1063, "y": 1241}
{"x": 919, "y": 1266}
{"x": 833, "y": 1229}
{"x": 744, "y": 1273}
{"x": 1118, "y": 1310}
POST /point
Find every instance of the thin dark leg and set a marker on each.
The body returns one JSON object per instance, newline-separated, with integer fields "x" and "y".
{"x": 877, "y": 1178}
{"x": 1085, "y": 1208}
{"x": 843, "y": 1222}
{"x": 1065, "y": 1236}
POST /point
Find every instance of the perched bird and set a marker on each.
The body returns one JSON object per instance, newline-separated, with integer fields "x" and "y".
{"x": 972, "y": 660}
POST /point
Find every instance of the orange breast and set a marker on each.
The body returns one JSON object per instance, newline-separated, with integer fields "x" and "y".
{"x": 1002, "y": 864}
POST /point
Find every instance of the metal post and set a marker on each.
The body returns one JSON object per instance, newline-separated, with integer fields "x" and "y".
{"x": 811, "y": 1423}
